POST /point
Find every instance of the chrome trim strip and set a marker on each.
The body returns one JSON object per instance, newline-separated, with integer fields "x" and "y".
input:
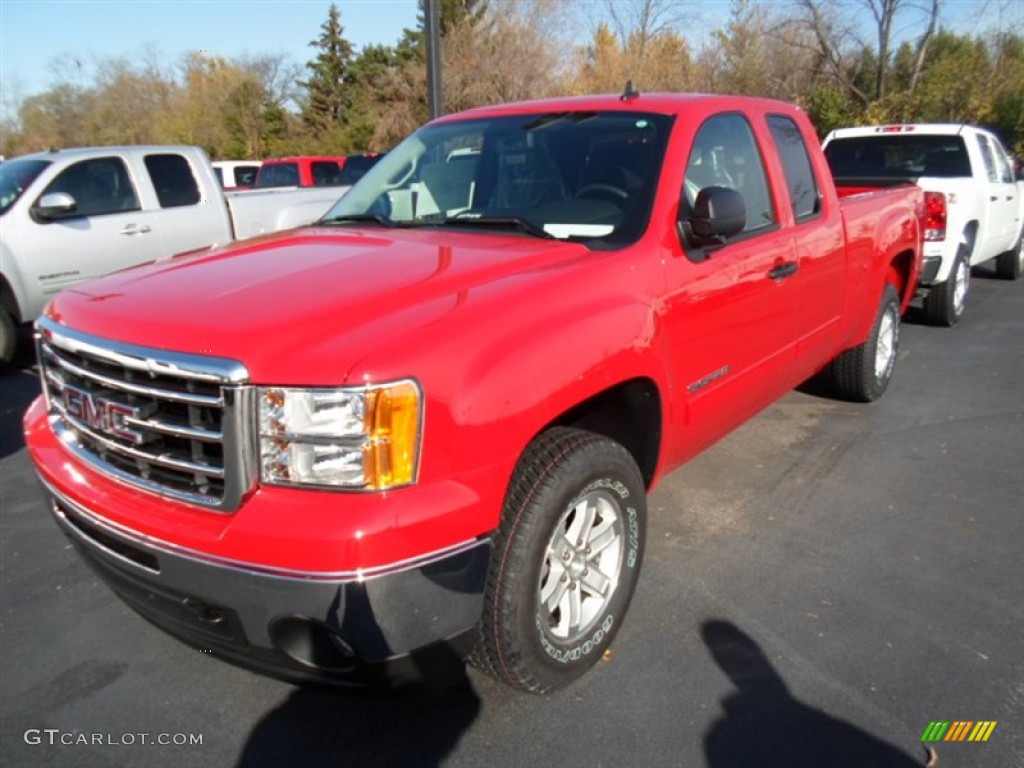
{"x": 70, "y": 441}
{"x": 161, "y": 460}
{"x": 163, "y": 547}
{"x": 136, "y": 389}
{"x": 176, "y": 430}
{"x": 157, "y": 361}
{"x": 241, "y": 446}
{"x": 83, "y": 536}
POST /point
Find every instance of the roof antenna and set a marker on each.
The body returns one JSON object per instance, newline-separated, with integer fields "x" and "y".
{"x": 629, "y": 92}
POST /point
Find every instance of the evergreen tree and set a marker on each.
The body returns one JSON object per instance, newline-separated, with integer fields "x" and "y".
{"x": 453, "y": 12}
{"x": 328, "y": 101}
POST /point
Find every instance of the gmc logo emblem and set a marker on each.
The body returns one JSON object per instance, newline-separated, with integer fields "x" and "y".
{"x": 101, "y": 414}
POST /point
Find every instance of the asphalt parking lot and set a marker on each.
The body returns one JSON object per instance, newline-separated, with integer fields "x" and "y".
{"x": 818, "y": 588}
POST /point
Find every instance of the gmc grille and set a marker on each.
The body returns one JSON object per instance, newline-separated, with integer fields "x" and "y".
{"x": 169, "y": 423}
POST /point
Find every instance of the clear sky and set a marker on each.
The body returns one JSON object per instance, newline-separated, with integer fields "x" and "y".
{"x": 36, "y": 33}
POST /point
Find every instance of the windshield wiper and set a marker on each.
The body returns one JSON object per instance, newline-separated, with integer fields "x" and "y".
{"x": 516, "y": 222}
{"x": 356, "y": 218}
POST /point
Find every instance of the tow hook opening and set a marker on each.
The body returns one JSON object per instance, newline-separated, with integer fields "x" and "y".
{"x": 312, "y": 643}
{"x": 207, "y": 614}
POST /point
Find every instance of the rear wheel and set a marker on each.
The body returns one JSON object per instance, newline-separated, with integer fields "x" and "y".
{"x": 566, "y": 559}
{"x": 1010, "y": 265}
{"x": 944, "y": 304}
{"x": 862, "y": 374}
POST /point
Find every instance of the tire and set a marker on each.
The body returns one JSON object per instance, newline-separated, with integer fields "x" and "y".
{"x": 862, "y": 374}
{"x": 944, "y": 304}
{"x": 553, "y": 603}
{"x": 1010, "y": 265}
{"x": 8, "y": 337}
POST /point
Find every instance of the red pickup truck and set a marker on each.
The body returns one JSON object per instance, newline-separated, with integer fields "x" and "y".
{"x": 314, "y": 170}
{"x": 424, "y": 428}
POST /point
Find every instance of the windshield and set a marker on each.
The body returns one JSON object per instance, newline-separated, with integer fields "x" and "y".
{"x": 898, "y": 156}
{"x": 15, "y": 177}
{"x": 587, "y": 176}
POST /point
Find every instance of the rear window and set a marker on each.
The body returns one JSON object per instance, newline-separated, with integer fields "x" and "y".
{"x": 245, "y": 175}
{"x": 898, "y": 156}
{"x": 326, "y": 173}
{"x": 356, "y": 166}
{"x": 278, "y": 175}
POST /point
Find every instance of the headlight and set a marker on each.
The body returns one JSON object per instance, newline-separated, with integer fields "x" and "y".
{"x": 365, "y": 438}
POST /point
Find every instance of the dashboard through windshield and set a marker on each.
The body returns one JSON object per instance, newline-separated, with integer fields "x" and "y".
{"x": 586, "y": 176}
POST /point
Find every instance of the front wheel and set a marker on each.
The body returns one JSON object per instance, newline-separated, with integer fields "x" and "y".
{"x": 862, "y": 374}
{"x": 566, "y": 559}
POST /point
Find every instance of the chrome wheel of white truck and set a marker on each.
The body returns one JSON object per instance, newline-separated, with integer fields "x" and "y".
{"x": 565, "y": 561}
{"x": 944, "y": 304}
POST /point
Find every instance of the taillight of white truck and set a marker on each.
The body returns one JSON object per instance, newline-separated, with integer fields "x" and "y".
{"x": 934, "y": 216}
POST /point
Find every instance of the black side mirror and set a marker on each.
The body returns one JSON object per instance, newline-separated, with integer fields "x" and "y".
{"x": 718, "y": 213}
{"x": 53, "y": 206}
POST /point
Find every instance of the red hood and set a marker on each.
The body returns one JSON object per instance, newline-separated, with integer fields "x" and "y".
{"x": 277, "y": 303}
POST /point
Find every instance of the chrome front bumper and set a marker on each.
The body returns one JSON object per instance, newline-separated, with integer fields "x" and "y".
{"x": 400, "y": 627}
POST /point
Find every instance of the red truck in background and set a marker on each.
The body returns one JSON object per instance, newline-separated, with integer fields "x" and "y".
{"x": 424, "y": 428}
{"x": 314, "y": 171}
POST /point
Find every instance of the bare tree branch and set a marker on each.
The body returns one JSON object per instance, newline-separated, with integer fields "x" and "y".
{"x": 922, "y": 45}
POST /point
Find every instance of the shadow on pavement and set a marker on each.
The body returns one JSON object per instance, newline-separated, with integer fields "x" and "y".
{"x": 313, "y": 728}
{"x": 764, "y": 726}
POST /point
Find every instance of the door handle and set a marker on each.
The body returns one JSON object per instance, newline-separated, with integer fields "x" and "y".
{"x": 993, "y": 198}
{"x": 135, "y": 229}
{"x": 785, "y": 269}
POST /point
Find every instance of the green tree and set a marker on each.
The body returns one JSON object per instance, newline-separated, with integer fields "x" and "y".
{"x": 328, "y": 97}
{"x": 454, "y": 13}
{"x": 829, "y": 109}
{"x": 1007, "y": 116}
{"x": 252, "y": 119}
{"x": 376, "y": 80}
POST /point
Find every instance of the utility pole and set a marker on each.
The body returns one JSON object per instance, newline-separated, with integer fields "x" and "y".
{"x": 432, "y": 20}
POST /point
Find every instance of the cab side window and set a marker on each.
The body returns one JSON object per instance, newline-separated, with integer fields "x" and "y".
{"x": 796, "y": 163}
{"x": 1003, "y": 168}
{"x": 725, "y": 154}
{"x": 99, "y": 186}
{"x": 173, "y": 180}
{"x": 988, "y": 159}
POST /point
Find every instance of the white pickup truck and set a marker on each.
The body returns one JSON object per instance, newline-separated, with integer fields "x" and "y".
{"x": 974, "y": 205}
{"x": 71, "y": 215}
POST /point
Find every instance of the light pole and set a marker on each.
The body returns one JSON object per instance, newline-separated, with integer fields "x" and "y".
{"x": 432, "y": 22}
